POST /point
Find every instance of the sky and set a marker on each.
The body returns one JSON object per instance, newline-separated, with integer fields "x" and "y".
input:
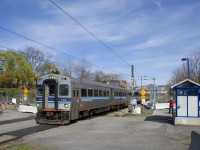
{"x": 152, "y": 35}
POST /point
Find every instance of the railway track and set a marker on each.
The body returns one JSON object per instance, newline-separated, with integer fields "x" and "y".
{"x": 14, "y": 126}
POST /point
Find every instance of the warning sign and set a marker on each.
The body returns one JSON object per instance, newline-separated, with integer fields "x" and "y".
{"x": 25, "y": 92}
{"x": 143, "y": 92}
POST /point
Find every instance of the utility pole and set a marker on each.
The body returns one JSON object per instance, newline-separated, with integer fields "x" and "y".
{"x": 132, "y": 74}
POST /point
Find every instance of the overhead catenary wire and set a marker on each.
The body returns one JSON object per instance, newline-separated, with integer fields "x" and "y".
{"x": 99, "y": 40}
{"x": 22, "y": 36}
{"x": 45, "y": 61}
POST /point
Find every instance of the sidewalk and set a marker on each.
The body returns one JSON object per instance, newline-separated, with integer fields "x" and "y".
{"x": 161, "y": 112}
{"x": 13, "y": 114}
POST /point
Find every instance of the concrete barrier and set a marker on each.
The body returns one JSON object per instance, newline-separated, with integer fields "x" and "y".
{"x": 25, "y": 108}
{"x": 138, "y": 110}
{"x": 161, "y": 105}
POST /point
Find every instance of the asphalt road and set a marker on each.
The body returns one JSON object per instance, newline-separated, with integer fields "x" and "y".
{"x": 15, "y": 125}
{"x": 119, "y": 133}
{"x": 154, "y": 132}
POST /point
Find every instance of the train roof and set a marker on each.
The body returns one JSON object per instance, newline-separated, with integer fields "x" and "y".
{"x": 92, "y": 82}
{"x": 89, "y": 82}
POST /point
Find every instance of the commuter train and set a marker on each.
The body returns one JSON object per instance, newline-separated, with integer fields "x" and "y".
{"x": 61, "y": 99}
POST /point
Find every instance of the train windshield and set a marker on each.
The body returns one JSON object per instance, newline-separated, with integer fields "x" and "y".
{"x": 63, "y": 89}
{"x": 39, "y": 90}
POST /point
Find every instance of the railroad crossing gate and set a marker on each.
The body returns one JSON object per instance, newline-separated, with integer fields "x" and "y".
{"x": 187, "y": 103}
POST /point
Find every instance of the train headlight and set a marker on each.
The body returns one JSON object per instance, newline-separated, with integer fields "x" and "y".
{"x": 38, "y": 105}
{"x": 51, "y": 77}
{"x": 66, "y": 105}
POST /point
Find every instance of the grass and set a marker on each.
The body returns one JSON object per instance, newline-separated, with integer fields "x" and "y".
{"x": 145, "y": 111}
{"x": 23, "y": 146}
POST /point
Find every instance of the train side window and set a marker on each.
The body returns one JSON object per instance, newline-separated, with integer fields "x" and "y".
{"x": 74, "y": 93}
{"x": 100, "y": 93}
{"x": 96, "y": 93}
{"x": 104, "y": 93}
{"x": 90, "y": 92}
{"x": 39, "y": 90}
{"x": 83, "y": 93}
{"x": 108, "y": 93}
{"x": 63, "y": 90}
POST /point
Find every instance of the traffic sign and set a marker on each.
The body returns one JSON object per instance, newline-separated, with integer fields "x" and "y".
{"x": 25, "y": 92}
{"x": 143, "y": 92}
{"x": 143, "y": 97}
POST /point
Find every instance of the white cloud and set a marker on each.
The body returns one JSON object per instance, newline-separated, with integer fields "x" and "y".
{"x": 158, "y": 3}
{"x": 153, "y": 42}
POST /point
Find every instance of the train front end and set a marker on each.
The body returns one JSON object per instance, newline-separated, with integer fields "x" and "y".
{"x": 53, "y": 99}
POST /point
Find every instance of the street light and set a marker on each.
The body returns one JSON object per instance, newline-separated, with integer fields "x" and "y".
{"x": 188, "y": 66}
{"x": 154, "y": 93}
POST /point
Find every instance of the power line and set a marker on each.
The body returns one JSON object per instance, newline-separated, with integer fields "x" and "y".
{"x": 22, "y": 36}
{"x": 105, "y": 45}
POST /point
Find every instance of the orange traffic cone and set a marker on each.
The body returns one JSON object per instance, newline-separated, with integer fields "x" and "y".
{"x": 3, "y": 106}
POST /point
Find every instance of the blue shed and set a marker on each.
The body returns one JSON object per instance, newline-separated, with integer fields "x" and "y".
{"x": 187, "y": 103}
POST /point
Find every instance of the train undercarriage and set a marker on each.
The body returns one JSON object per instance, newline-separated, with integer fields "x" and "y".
{"x": 52, "y": 117}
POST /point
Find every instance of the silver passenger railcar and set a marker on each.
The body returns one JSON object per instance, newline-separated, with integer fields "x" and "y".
{"x": 61, "y": 99}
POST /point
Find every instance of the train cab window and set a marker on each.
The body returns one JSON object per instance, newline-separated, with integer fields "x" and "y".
{"x": 63, "y": 90}
{"x": 90, "y": 92}
{"x": 96, "y": 93}
{"x": 83, "y": 92}
{"x": 39, "y": 90}
{"x": 100, "y": 93}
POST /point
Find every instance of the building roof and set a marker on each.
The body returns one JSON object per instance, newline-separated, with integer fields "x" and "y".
{"x": 185, "y": 83}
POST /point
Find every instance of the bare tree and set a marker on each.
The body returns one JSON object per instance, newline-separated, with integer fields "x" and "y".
{"x": 181, "y": 73}
{"x": 177, "y": 76}
{"x": 67, "y": 67}
{"x": 36, "y": 58}
{"x": 195, "y": 66}
{"x": 99, "y": 76}
{"x": 82, "y": 70}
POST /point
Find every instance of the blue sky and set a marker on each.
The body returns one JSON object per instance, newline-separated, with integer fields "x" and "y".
{"x": 153, "y": 35}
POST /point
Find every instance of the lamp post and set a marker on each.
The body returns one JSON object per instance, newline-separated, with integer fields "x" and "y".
{"x": 154, "y": 93}
{"x": 188, "y": 66}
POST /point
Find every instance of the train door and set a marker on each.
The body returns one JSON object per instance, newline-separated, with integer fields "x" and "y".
{"x": 50, "y": 94}
{"x": 75, "y": 105}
